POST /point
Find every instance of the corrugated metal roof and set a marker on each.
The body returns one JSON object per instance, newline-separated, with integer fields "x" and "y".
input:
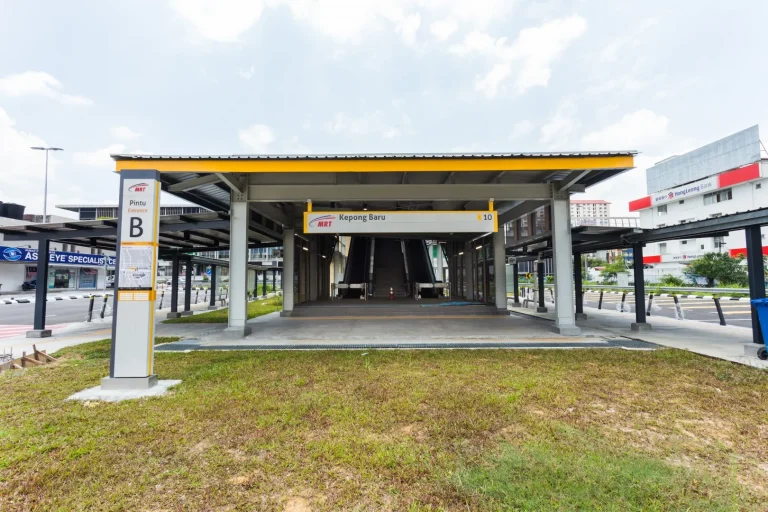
{"x": 378, "y": 156}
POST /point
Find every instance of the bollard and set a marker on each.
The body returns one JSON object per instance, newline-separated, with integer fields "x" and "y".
{"x": 623, "y": 299}
{"x": 719, "y": 310}
{"x": 205, "y": 297}
{"x": 104, "y": 305}
{"x": 162, "y": 295}
{"x": 90, "y": 308}
{"x": 650, "y": 303}
{"x": 679, "y": 315}
{"x": 197, "y": 292}
{"x": 552, "y": 294}
{"x": 600, "y": 302}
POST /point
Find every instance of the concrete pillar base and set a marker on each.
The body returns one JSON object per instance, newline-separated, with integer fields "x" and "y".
{"x": 108, "y": 383}
{"x": 640, "y": 327}
{"x": 39, "y": 333}
{"x": 213, "y": 307}
{"x": 174, "y": 314}
{"x": 541, "y": 309}
{"x": 237, "y": 332}
{"x": 755, "y": 350}
{"x": 286, "y": 313}
{"x": 186, "y": 313}
{"x": 515, "y": 304}
{"x": 581, "y": 316}
{"x": 566, "y": 330}
{"x": 502, "y": 311}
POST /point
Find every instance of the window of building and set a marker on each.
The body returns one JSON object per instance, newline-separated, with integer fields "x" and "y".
{"x": 715, "y": 215}
{"x": 662, "y": 248}
{"x": 718, "y": 197}
{"x": 661, "y": 226}
{"x": 684, "y": 242}
{"x": 662, "y": 210}
{"x": 758, "y": 185}
{"x": 702, "y": 247}
{"x": 682, "y": 201}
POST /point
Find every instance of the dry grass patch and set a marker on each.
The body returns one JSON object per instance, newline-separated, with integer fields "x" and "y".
{"x": 391, "y": 430}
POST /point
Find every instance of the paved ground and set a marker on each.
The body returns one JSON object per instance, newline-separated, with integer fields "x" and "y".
{"x": 736, "y": 313}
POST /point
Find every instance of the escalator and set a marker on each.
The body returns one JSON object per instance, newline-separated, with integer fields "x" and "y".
{"x": 389, "y": 269}
{"x": 419, "y": 264}
{"x": 355, "y": 271}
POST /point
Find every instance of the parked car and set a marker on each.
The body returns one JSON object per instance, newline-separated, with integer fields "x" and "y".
{"x": 29, "y": 285}
{"x": 110, "y": 281}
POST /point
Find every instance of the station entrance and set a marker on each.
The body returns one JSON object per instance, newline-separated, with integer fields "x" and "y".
{"x": 389, "y": 205}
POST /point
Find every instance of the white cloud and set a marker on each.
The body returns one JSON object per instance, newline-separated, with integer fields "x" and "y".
{"x": 559, "y": 130}
{"x": 379, "y": 122}
{"x": 638, "y": 130}
{"x": 408, "y": 27}
{"x": 532, "y": 53}
{"x": 257, "y": 138}
{"x": 124, "y": 133}
{"x": 344, "y": 21}
{"x": 99, "y": 157}
{"x": 220, "y": 20}
{"x": 38, "y": 83}
{"x": 629, "y": 39}
{"x": 247, "y": 74}
{"x": 627, "y": 187}
{"x": 521, "y": 129}
{"x": 443, "y": 29}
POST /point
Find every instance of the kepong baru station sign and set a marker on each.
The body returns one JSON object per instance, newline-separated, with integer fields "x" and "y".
{"x": 400, "y": 222}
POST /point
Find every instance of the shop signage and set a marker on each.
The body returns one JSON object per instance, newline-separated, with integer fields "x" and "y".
{"x": 692, "y": 189}
{"x": 26, "y": 255}
{"x": 401, "y": 222}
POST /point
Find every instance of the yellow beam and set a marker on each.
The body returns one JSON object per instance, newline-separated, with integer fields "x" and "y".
{"x": 543, "y": 163}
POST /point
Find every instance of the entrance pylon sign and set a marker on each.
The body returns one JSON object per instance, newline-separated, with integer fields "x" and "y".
{"x": 132, "y": 362}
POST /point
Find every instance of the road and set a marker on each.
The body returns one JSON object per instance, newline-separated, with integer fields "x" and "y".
{"x": 16, "y": 319}
{"x": 703, "y": 310}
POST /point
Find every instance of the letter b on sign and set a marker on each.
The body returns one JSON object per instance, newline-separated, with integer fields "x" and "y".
{"x": 136, "y": 229}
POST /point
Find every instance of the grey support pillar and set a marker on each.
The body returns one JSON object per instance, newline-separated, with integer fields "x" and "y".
{"x": 313, "y": 269}
{"x": 756, "y": 273}
{"x": 578, "y": 287}
{"x": 175, "y": 269}
{"x": 238, "y": 268}
{"x": 469, "y": 272}
{"x": 289, "y": 247}
{"x": 212, "y": 301}
{"x": 41, "y": 291}
{"x": 637, "y": 263}
{"x": 516, "y": 284}
{"x": 499, "y": 271}
{"x": 274, "y": 280}
{"x": 540, "y": 285}
{"x": 187, "y": 288}
{"x": 562, "y": 263}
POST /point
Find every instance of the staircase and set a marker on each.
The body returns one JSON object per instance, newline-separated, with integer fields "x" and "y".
{"x": 389, "y": 268}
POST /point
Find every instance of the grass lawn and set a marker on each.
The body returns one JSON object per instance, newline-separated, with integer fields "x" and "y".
{"x": 391, "y": 430}
{"x": 256, "y": 308}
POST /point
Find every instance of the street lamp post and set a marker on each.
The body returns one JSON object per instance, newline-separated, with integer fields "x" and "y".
{"x": 45, "y": 193}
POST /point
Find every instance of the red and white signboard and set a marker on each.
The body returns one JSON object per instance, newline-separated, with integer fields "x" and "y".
{"x": 720, "y": 181}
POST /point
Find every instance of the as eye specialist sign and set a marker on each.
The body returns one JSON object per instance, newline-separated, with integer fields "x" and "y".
{"x": 400, "y": 222}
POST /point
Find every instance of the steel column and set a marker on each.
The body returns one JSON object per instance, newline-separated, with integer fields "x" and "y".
{"x": 175, "y": 269}
{"x": 578, "y": 287}
{"x": 756, "y": 276}
{"x": 188, "y": 286}
{"x": 637, "y": 264}
{"x": 41, "y": 291}
{"x": 212, "y": 302}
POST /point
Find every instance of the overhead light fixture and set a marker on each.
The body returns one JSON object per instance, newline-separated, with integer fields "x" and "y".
{"x": 479, "y": 247}
{"x": 365, "y": 206}
{"x": 462, "y": 252}
{"x": 323, "y": 255}
{"x": 305, "y": 248}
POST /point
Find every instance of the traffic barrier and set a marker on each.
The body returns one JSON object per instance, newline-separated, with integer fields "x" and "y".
{"x": 162, "y": 296}
{"x": 90, "y": 308}
{"x": 623, "y": 300}
{"x": 719, "y": 310}
{"x": 197, "y": 292}
{"x": 679, "y": 315}
{"x": 650, "y": 303}
{"x": 600, "y": 303}
{"x": 104, "y": 306}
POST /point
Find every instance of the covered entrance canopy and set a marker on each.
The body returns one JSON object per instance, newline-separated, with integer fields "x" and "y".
{"x": 277, "y": 191}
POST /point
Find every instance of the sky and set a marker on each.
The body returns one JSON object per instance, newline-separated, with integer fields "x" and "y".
{"x": 355, "y": 76}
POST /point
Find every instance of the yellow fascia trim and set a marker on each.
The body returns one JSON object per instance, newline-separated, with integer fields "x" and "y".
{"x": 543, "y": 163}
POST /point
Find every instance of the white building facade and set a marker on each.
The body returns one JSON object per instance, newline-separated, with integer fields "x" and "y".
{"x": 718, "y": 189}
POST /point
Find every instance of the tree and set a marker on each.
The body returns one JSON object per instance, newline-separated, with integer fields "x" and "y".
{"x": 610, "y": 270}
{"x": 591, "y": 262}
{"x": 714, "y": 266}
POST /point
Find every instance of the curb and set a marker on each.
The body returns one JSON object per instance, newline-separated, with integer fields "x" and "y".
{"x": 49, "y": 299}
